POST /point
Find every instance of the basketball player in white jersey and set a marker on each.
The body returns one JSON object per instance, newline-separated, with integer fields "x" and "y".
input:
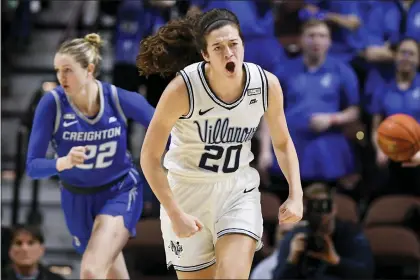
{"x": 211, "y": 213}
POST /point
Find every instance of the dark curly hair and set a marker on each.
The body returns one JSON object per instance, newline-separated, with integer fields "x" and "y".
{"x": 179, "y": 43}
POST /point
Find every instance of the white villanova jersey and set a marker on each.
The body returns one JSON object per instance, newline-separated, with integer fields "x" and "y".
{"x": 214, "y": 138}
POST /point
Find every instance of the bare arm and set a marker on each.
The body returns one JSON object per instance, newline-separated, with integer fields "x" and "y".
{"x": 281, "y": 140}
{"x": 172, "y": 105}
{"x": 351, "y": 22}
{"x": 265, "y": 138}
{"x": 347, "y": 116}
{"x": 379, "y": 54}
{"x": 376, "y": 121}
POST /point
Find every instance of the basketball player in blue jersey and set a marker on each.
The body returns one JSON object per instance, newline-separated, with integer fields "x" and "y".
{"x": 101, "y": 191}
{"x": 211, "y": 212}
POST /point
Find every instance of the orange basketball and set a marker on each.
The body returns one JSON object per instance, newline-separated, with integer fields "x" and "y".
{"x": 399, "y": 137}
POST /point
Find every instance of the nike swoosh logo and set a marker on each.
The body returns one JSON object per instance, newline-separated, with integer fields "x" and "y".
{"x": 247, "y": 191}
{"x": 67, "y": 124}
{"x": 204, "y": 112}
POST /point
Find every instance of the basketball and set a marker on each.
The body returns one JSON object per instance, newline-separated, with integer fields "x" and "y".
{"x": 399, "y": 137}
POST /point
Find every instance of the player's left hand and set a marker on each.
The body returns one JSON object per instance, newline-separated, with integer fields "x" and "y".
{"x": 329, "y": 255}
{"x": 291, "y": 211}
{"x": 415, "y": 161}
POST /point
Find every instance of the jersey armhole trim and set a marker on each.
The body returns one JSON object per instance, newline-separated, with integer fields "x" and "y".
{"x": 190, "y": 94}
{"x": 264, "y": 83}
{"x": 58, "y": 111}
{"x": 116, "y": 100}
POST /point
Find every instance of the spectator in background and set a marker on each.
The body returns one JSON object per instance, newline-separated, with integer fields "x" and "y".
{"x": 264, "y": 269}
{"x": 400, "y": 95}
{"x": 345, "y": 18}
{"x": 158, "y": 13}
{"x": 6, "y": 236}
{"x": 29, "y": 114}
{"x": 321, "y": 96}
{"x": 131, "y": 28}
{"x": 135, "y": 21}
{"x": 326, "y": 248}
{"x": 257, "y": 24}
{"x": 348, "y": 31}
{"x": 25, "y": 253}
{"x": 21, "y": 25}
{"x": 388, "y": 23}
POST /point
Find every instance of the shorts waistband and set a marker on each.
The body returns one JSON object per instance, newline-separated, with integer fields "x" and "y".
{"x": 93, "y": 189}
{"x": 211, "y": 178}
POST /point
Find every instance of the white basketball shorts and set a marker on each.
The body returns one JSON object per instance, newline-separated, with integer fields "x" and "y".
{"x": 224, "y": 207}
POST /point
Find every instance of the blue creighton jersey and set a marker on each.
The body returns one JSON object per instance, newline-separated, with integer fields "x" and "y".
{"x": 105, "y": 137}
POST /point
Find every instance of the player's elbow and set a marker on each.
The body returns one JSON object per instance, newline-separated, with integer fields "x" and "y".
{"x": 281, "y": 143}
{"x": 30, "y": 170}
{"x": 144, "y": 158}
{"x": 148, "y": 161}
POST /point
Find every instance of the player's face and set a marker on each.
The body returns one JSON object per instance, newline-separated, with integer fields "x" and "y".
{"x": 407, "y": 57}
{"x": 70, "y": 74}
{"x": 225, "y": 50}
{"x": 316, "y": 40}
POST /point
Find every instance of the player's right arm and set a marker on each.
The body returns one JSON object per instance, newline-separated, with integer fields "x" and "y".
{"x": 37, "y": 166}
{"x": 173, "y": 104}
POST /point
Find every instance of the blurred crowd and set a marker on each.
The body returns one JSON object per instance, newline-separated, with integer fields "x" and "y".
{"x": 344, "y": 66}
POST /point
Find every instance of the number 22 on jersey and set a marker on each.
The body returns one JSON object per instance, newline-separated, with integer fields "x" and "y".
{"x": 103, "y": 155}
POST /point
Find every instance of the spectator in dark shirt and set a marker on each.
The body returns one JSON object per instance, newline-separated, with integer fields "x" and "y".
{"x": 25, "y": 252}
{"x": 326, "y": 248}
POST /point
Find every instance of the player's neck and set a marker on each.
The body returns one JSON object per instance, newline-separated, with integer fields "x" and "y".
{"x": 313, "y": 62}
{"x": 87, "y": 101}
{"x": 227, "y": 89}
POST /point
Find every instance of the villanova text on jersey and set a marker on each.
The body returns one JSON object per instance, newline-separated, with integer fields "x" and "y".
{"x": 221, "y": 132}
{"x": 214, "y": 138}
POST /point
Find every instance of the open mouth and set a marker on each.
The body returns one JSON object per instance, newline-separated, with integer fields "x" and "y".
{"x": 230, "y": 66}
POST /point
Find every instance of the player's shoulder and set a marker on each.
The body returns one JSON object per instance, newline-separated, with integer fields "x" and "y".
{"x": 56, "y": 94}
{"x": 192, "y": 68}
{"x": 108, "y": 88}
{"x": 51, "y": 99}
{"x": 177, "y": 87}
{"x": 256, "y": 69}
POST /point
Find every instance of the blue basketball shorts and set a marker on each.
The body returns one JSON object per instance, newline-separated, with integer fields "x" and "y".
{"x": 124, "y": 198}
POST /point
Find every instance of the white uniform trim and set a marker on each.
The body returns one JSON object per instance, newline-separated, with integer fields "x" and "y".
{"x": 190, "y": 94}
{"x": 58, "y": 112}
{"x": 264, "y": 88}
{"x": 114, "y": 94}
